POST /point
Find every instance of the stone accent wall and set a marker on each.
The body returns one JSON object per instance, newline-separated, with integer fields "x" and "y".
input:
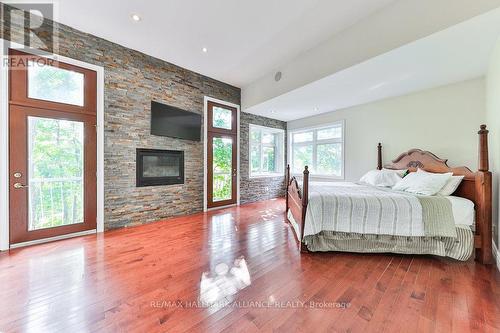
{"x": 257, "y": 189}
{"x": 132, "y": 80}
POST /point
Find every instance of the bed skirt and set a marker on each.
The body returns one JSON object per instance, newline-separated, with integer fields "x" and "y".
{"x": 460, "y": 248}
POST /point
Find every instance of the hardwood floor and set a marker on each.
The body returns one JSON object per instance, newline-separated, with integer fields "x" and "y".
{"x": 157, "y": 277}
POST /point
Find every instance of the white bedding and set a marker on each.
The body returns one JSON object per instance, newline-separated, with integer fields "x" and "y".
{"x": 463, "y": 210}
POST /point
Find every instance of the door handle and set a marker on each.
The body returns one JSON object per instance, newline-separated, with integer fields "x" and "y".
{"x": 19, "y": 186}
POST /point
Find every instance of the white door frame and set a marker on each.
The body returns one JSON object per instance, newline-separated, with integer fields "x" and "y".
{"x": 4, "y": 136}
{"x": 205, "y": 152}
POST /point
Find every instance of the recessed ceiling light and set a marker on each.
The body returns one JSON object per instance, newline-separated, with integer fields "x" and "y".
{"x": 205, "y": 50}
{"x": 135, "y": 17}
{"x": 273, "y": 111}
{"x": 316, "y": 109}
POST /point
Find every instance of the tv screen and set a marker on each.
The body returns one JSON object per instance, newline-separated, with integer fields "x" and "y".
{"x": 170, "y": 121}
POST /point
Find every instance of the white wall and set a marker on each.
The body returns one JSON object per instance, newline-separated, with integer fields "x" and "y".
{"x": 493, "y": 121}
{"x": 402, "y": 22}
{"x": 443, "y": 120}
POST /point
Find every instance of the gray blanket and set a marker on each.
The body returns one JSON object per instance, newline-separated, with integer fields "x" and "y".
{"x": 363, "y": 209}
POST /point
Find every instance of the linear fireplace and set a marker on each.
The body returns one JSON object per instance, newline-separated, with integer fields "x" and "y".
{"x": 159, "y": 167}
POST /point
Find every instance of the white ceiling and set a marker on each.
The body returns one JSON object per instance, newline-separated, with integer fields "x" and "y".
{"x": 246, "y": 39}
{"x": 456, "y": 54}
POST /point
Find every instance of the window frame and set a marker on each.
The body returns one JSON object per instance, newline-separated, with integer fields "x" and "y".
{"x": 315, "y": 142}
{"x": 21, "y": 93}
{"x": 279, "y": 150}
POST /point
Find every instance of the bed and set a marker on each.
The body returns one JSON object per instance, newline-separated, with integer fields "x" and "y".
{"x": 355, "y": 217}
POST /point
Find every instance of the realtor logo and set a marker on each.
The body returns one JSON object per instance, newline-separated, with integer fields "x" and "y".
{"x": 30, "y": 24}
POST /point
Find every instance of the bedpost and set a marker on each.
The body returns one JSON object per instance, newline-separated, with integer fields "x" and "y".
{"x": 484, "y": 164}
{"x": 379, "y": 156}
{"x": 483, "y": 202}
{"x": 305, "y": 201}
{"x": 305, "y": 187}
{"x": 287, "y": 183}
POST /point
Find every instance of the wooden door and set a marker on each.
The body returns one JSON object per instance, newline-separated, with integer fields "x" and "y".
{"x": 52, "y": 148}
{"x": 222, "y": 155}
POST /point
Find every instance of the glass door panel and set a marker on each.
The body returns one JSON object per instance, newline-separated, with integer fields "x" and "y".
{"x": 222, "y": 168}
{"x": 55, "y": 172}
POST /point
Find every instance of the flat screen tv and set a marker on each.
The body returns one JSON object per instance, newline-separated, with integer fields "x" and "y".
{"x": 170, "y": 121}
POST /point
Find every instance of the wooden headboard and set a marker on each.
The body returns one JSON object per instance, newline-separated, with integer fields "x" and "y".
{"x": 476, "y": 186}
{"x": 419, "y": 159}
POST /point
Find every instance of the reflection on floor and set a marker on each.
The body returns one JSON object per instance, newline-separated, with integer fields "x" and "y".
{"x": 217, "y": 288}
{"x": 236, "y": 269}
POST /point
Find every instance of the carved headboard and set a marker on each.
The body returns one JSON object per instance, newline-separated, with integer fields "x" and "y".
{"x": 476, "y": 186}
{"x": 425, "y": 160}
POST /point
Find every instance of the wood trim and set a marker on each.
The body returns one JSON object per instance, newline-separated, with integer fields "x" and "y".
{"x": 476, "y": 186}
{"x": 213, "y": 132}
{"x": 18, "y": 76}
{"x": 234, "y": 123}
{"x": 20, "y": 107}
{"x": 48, "y": 106}
{"x": 18, "y": 162}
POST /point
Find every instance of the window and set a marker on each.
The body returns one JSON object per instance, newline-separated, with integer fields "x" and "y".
{"x": 321, "y": 149}
{"x": 267, "y": 151}
{"x": 55, "y": 84}
{"x": 222, "y": 118}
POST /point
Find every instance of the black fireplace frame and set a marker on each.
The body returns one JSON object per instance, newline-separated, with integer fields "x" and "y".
{"x": 158, "y": 181}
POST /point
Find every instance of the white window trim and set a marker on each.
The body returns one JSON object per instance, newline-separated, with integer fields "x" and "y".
{"x": 315, "y": 142}
{"x": 282, "y": 162}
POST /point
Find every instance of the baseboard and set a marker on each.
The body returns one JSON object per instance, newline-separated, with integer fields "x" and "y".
{"x": 496, "y": 255}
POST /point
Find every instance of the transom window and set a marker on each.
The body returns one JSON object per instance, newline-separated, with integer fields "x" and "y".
{"x": 55, "y": 84}
{"x": 321, "y": 149}
{"x": 222, "y": 118}
{"x": 267, "y": 151}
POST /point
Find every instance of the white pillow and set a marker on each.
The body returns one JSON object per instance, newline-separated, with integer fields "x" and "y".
{"x": 385, "y": 178}
{"x": 450, "y": 187}
{"x": 423, "y": 183}
{"x": 401, "y": 173}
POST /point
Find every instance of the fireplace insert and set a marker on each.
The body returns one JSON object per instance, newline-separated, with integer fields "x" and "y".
{"x": 159, "y": 167}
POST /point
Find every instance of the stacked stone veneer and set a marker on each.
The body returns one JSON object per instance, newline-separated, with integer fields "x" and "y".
{"x": 132, "y": 80}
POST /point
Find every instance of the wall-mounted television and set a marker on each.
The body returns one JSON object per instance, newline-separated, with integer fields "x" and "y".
{"x": 170, "y": 121}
